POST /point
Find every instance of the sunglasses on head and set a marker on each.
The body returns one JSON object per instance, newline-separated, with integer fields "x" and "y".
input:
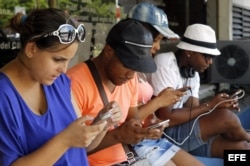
{"x": 67, "y": 33}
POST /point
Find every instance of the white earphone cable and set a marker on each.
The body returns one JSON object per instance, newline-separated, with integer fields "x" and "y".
{"x": 206, "y": 113}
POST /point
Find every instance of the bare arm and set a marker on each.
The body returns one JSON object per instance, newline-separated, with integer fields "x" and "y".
{"x": 77, "y": 134}
{"x": 112, "y": 137}
{"x": 166, "y": 98}
{"x": 193, "y": 109}
{"x": 115, "y": 118}
{"x": 48, "y": 154}
{"x": 182, "y": 115}
{"x": 99, "y": 136}
{"x": 133, "y": 113}
{"x": 130, "y": 132}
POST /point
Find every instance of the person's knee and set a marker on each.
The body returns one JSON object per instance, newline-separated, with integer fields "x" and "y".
{"x": 170, "y": 163}
{"x": 228, "y": 119}
{"x": 244, "y": 145}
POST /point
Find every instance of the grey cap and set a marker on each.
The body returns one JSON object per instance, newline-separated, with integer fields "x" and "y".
{"x": 153, "y": 15}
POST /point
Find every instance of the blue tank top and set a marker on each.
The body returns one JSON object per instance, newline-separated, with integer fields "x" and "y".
{"x": 22, "y": 131}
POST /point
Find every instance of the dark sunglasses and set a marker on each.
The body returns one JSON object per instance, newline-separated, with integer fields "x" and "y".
{"x": 208, "y": 57}
{"x": 66, "y": 33}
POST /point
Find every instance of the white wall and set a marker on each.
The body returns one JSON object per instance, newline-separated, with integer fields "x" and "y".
{"x": 242, "y": 3}
{"x": 224, "y": 20}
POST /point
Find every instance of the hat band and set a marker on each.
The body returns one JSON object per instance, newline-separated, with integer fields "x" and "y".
{"x": 199, "y": 43}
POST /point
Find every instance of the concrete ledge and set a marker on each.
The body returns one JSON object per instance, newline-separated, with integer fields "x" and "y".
{"x": 210, "y": 161}
{"x": 206, "y": 90}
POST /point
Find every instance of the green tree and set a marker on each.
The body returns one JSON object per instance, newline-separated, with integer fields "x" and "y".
{"x": 7, "y": 8}
{"x": 92, "y": 8}
{"x": 101, "y": 8}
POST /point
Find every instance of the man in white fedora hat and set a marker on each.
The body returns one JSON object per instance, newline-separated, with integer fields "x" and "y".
{"x": 204, "y": 129}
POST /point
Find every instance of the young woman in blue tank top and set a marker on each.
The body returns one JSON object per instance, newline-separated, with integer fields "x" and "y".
{"x": 39, "y": 123}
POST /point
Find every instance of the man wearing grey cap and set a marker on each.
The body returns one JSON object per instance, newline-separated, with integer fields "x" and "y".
{"x": 160, "y": 151}
{"x": 204, "y": 129}
{"x": 127, "y": 51}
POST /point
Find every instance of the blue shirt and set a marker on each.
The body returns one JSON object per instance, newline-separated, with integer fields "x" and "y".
{"x": 22, "y": 131}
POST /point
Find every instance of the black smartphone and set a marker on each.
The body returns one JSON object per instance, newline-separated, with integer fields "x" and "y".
{"x": 165, "y": 122}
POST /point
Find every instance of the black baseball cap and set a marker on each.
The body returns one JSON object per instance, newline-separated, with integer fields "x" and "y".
{"x": 132, "y": 43}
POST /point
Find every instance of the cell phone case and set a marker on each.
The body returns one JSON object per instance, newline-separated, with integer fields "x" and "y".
{"x": 158, "y": 124}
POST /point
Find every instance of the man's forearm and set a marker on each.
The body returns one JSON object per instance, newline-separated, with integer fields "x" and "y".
{"x": 181, "y": 115}
{"x": 109, "y": 139}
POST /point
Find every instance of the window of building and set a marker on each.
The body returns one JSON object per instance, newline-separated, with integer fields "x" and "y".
{"x": 241, "y": 23}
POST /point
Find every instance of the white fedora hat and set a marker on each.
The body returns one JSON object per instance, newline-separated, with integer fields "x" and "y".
{"x": 199, "y": 38}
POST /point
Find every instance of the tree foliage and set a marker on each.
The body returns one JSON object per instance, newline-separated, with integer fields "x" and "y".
{"x": 7, "y": 8}
{"x": 102, "y": 8}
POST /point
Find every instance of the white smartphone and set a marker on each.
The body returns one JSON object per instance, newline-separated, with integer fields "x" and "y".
{"x": 236, "y": 93}
{"x": 104, "y": 116}
{"x": 165, "y": 122}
